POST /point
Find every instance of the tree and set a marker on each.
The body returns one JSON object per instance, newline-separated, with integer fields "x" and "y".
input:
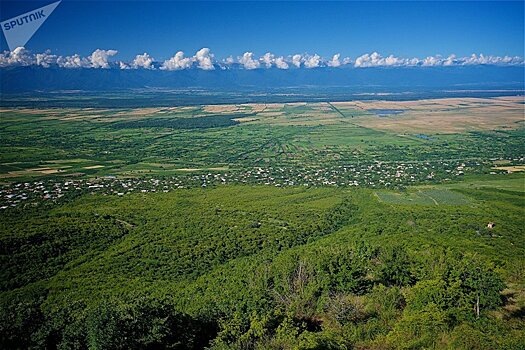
{"x": 395, "y": 267}
{"x": 480, "y": 285}
{"x": 418, "y": 329}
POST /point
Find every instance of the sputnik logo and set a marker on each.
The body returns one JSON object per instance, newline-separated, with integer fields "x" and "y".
{"x": 18, "y": 30}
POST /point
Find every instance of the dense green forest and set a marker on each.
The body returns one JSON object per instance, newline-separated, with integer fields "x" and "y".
{"x": 260, "y": 267}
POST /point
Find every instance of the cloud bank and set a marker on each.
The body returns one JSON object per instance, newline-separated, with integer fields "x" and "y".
{"x": 376, "y": 60}
{"x": 203, "y": 59}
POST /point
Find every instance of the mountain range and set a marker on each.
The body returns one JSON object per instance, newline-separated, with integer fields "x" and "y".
{"x": 29, "y": 79}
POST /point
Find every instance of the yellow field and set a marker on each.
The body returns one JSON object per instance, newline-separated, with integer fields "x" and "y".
{"x": 448, "y": 115}
{"x": 510, "y": 169}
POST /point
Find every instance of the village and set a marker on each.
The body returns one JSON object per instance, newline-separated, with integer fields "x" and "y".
{"x": 376, "y": 174}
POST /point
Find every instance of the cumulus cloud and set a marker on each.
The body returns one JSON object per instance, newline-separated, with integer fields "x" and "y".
{"x": 74, "y": 61}
{"x": 248, "y": 62}
{"x": 334, "y": 62}
{"x": 482, "y": 59}
{"x": 226, "y": 63}
{"x": 433, "y": 61}
{"x": 281, "y": 63}
{"x": 450, "y": 61}
{"x": 143, "y": 61}
{"x": 376, "y": 60}
{"x": 177, "y": 62}
{"x": 474, "y": 59}
{"x": 22, "y": 57}
{"x": 413, "y": 61}
{"x": 45, "y": 59}
{"x": 99, "y": 58}
{"x": 18, "y": 57}
{"x": 312, "y": 61}
{"x": 510, "y": 60}
{"x": 296, "y": 60}
{"x": 364, "y": 60}
{"x": 268, "y": 59}
{"x": 204, "y": 59}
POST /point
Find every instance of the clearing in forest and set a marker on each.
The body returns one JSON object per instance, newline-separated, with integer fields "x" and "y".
{"x": 423, "y": 197}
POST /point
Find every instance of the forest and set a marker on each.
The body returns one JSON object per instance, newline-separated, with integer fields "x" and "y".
{"x": 256, "y": 267}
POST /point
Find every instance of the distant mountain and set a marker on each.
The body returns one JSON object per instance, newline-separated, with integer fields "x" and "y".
{"x": 32, "y": 78}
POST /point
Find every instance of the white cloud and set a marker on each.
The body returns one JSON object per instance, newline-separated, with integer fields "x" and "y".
{"x": 248, "y": 62}
{"x": 312, "y": 61}
{"x": 482, "y": 59}
{"x": 296, "y": 60}
{"x": 413, "y": 61}
{"x": 281, "y": 63}
{"x": 432, "y": 61}
{"x": 18, "y": 57}
{"x": 204, "y": 58}
{"x": 364, "y": 60}
{"x": 334, "y": 62}
{"x": 45, "y": 59}
{"x": 474, "y": 59}
{"x": 376, "y": 60}
{"x": 143, "y": 61}
{"x": 177, "y": 62}
{"x": 21, "y": 55}
{"x": 394, "y": 61}
{"x": 99, "y": 58}
{"x": 268, "y": 59}
{"x": 450, "y": 61}
{"x": 512, "y": 60}
{"x": 74, "y": 61}
{"x": 367, "y": 60}
{"x": 226, "y": 63}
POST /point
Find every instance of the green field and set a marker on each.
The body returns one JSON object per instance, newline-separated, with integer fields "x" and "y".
{"x": 98, "y": 142}
{"x": 424, "y": 197}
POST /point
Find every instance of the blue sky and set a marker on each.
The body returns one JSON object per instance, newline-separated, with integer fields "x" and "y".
{"x": 405, "y": 29}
